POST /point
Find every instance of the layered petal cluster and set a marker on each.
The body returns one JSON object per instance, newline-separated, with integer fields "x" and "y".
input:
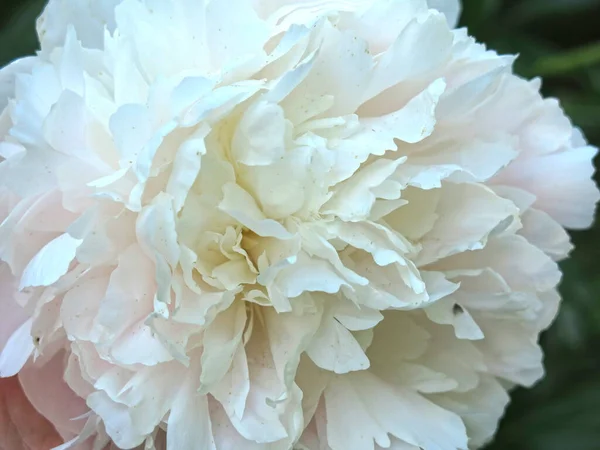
{"x": 278, "y": 224}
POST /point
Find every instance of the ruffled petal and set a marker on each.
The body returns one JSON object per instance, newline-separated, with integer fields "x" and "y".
{"x": 384, "y": 410}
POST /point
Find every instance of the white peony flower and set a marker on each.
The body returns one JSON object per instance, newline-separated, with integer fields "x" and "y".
{"x": 273, "y": 224}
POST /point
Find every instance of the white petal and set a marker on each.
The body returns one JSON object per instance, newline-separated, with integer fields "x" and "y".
{"x": 463, "y": 162}
{"x": 189, "y": 421}
{"x": 412, "y": 123}
{"x": 8, "y": 77}
{"x": 481, "y": 408}
{"x": 306, "y": 274}
{"x": 233, "y": 388}
{"x": 51, "y": 263}
{"x": 430, "y": 35}
{"x": 260, "y": 137}
{"x": 380, "y": 408}
{"x": 291, "y": 78}
{"x": 545, "y": 233}
{"x": 289, "y": 336}
{"x": 458, "y": 359}
{"x": 263, "y": 421}
{"x": 221, "y": 340}
{"x": 334, "y": 348}
{"x": 89, "y": 18}
{"x": 381, "y": 22}
{"x": 241, "y": 206}
{"x": 186, "y": 167}
{"x": 342, "y": 69}
{"x": 386, "y": 246}
{"x": 219, "y": 102}
{"x": 450, "y": 8}
{"x": 17, "y": 350}
{"x": 567, "y": 198}
{"x": 467, "y": 215}
{"x": 157, "y": 234}
{"x": 354, "y": 318}
{"x": 447, "y": 312}
{"x": 123, "y": 323}
{"x": 353, "y": 199}
{"x": 71, "y": 64}
{"x": 532, "y": 270}
{"x": 233, "y": 36}
{"x": 78, "y": 316}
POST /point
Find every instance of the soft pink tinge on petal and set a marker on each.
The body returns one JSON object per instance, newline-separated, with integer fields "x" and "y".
{"x": 386, "y": 411}
{"x": 21, "y": 426}
{"x": 131, "y": 340}
{"x": 31, "y": 224}
{"x": 15, "y": 339}
{"x": 7, "y": 201}
{"x": 13, "y": 316}
{"x": 51, "y": 396}
{"x": 225, "y": 434}
{"x": 315, "y": 434}
{"x": 562, "y": 183}
{"x": 545, "y": 233}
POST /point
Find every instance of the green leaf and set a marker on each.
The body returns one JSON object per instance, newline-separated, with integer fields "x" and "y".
{"x": 568, "y": 61}
{"x": 18, "y": 36}
{"x": 532, "y": 10}
{"x": 529, "y": 48}
{"x": 594, "y": 79}
{"x": 477, "y": 11}
{"x": 568, "y": 421}
{"x": 584, "y": 111}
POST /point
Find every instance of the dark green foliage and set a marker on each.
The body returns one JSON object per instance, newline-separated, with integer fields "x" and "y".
{"x": 559, "y": 40}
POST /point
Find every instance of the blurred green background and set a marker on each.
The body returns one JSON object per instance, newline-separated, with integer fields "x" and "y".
{"x": 560, "y": 41}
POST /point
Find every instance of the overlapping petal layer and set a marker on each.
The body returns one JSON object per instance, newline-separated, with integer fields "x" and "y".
{"x": 269, "y": 224}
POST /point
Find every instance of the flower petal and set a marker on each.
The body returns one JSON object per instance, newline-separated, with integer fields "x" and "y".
{"x": 382, "y": 409}
{"x": 51, "y": 263}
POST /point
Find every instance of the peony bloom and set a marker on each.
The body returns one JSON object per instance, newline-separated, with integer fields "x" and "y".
{"x": 276, "y": 225}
